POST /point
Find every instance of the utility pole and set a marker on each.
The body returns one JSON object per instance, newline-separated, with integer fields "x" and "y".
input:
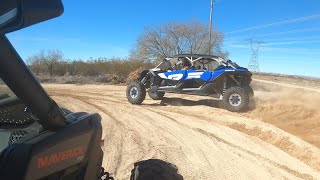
{"x": 210, "y": 27}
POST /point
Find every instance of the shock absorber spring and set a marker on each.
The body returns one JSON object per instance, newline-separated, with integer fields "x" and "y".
{"x": 225, "y": 83}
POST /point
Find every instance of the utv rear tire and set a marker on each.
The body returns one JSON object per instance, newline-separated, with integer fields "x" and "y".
{"x": 154, "y": 169}
{"x": 155, "y": 95}
{"x": 136, "y": 92}
{"x": 236, "y": 99}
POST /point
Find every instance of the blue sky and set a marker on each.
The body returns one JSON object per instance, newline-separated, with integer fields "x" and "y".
{"x": 289, "y": 29}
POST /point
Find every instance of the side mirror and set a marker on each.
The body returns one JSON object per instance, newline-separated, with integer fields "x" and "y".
{"x": 18, "y": 14}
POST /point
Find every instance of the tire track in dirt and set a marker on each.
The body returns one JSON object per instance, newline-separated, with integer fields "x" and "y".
{"x": 119, "y": 125}
{"x": 300, "y": 175}
{"x": 201, "y": 147}
{"x": 86, "y": 99}
{"x": 305, "y": 154}
{"x": 296, "y": 173}
{"x": 234, "y": 126}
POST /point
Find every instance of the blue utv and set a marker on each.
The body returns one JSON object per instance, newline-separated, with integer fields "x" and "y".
{"x": 195, "y": 74}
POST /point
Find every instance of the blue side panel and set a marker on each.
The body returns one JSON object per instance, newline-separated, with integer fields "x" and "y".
{"x": 206, "y": 76}
{"x": 184, "y": 72}
{"x": 217, "y": 73}
{"x": 191, "y": 70}
{"x": 182, "y": 75}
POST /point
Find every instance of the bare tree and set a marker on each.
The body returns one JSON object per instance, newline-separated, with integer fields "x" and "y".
{"x": 48, "y": 60}
{"x": 161, "y": 41}
{"x": 35, "y": 63}
{"x": 52, "y": 59}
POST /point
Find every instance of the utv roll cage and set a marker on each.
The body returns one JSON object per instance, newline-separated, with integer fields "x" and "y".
{"x": 171, "y": 62}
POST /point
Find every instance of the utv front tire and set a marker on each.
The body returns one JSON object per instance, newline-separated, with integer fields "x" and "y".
{"x": 155, "y": 95}
{"x": 236, "y": 99}
{"x": 154, "y": 169}
{"x": 136, "y": 92}
{"x": 249, "y": 91}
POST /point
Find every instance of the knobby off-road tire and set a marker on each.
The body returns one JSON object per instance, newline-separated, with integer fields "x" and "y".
{"x": 136, "y": 92}
{"x": 155, "y": 95}
{"x": 236, "y": 99}
{"x": 252, "y": 102}
{"x": 154, "y": 169}
{"x": 249, "y": 91}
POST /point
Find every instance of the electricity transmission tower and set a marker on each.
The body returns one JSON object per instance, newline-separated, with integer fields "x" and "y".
{"x": 255, "y": 45}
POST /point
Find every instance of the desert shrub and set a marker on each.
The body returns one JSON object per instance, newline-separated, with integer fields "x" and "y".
{"x": 104, "y": 70}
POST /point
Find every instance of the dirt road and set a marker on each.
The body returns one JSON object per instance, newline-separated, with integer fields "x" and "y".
{"x": 203, "y": 141}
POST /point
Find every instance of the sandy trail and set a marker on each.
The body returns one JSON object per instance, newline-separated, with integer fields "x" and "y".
{"x": 203, "y": 141}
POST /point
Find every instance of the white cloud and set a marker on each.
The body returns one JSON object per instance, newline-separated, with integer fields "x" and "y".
{"x": 288, "y": 21}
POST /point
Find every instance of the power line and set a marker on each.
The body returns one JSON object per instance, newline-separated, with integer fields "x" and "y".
{"x": 277, "y": 23}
